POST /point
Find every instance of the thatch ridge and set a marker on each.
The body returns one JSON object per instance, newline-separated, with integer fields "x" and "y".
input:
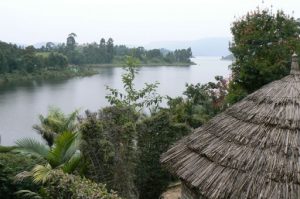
{"x": 252, "y": 150}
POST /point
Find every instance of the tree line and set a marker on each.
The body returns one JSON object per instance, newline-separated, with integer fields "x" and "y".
{"x": 59, "y": 56}
{"x": 14, "y": 58}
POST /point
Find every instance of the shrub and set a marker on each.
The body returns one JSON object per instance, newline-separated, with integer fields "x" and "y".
{"x": 155, "y": 136}
{"x": 67, "y": 186}
{"x": 10, "y": 165}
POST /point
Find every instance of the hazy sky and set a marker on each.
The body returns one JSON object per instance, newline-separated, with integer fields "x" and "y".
{"x": 127, "y": 21}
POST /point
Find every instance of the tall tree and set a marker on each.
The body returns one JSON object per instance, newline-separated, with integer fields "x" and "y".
{"x": 49, "y": 46}
{"x": 29, "y": 59}
{"x": 71, "y": 43}
{"x": 3, "y": 63}
{"x": 109, "y": 50}
{"x": 102, "y": 50}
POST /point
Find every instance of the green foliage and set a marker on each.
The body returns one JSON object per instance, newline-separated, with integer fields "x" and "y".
{"x": 10, "y": 165}
{"x": 66, "y": 186}
{"x": 28, "y": 194}
{"x": 19, "y": 77}
{"x": 98, "y": 53}
{"x": 71, "y": 43}
{"x": 64, "y": 154}
{"x": 5, "y": 149}
{"x": 201, "y": 103}
{"x": 155, "y": 55}
{"x": 145, "y": 97}
{"x": 14, "y": 58}
{"x": 262, "y": 45}
{"x": 57, "y": 60}
{"x": 235, "y": 93}
{"x": 109, "y": 50}
{"x": 55, "y": 123}
{"x": 183, "y": 55}
{"x": 155, "y": 136}
{"x": 109, "y": 148}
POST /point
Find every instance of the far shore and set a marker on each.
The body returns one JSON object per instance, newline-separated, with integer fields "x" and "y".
{"x": 85, "y": 70}
{"x": 141, "y": 64}
{"x": 23, "y": 77}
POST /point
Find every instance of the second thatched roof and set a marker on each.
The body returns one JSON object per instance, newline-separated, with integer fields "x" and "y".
{"x": 252, "y": 150}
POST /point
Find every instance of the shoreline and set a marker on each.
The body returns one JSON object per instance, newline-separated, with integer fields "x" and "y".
{"x": 140, "y": 65}
{"x": 23, "y": 77}
{"x": 81, "y": 71}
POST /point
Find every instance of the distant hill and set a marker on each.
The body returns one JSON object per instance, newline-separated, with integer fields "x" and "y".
{"x": 203, "y": 47}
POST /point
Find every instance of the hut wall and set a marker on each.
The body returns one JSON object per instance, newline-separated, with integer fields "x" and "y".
{"x": 189, "y": 193}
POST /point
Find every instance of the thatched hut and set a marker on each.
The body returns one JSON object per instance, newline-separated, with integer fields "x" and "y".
{"x": 252, "y": 150}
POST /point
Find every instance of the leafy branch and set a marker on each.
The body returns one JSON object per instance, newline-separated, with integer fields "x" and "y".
{"x": 146, "y": 97}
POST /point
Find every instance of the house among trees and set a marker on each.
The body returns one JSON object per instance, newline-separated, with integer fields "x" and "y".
{"x": 252, "y": 150}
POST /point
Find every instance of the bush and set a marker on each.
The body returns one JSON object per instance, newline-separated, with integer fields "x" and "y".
{"x": 10, "y": 165}
{"x": 109, "y": 148}
{"x": 155, "y": 136}
{"x": 67, "y": 186}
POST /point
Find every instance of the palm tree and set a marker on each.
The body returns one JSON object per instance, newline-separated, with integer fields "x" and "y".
{"x": 64, "y": 154}
{"x": 55, "y": 123}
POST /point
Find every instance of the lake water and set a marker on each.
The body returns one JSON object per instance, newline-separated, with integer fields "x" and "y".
{"x": 20, "y": 105}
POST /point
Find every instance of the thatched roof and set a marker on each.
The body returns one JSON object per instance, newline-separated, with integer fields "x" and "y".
{"x": 252, "y": 150}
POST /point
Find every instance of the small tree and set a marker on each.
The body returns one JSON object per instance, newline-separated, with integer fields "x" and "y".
{"x": 155, "y": 136}
{"x": 109, "y": 147}
{"x": 145, "y": 97}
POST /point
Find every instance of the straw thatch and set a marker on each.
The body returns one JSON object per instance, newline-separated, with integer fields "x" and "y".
{"x": 252, "y": 150}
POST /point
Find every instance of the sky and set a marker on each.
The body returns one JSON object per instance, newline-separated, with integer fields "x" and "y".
{"x": 135, "y": 22}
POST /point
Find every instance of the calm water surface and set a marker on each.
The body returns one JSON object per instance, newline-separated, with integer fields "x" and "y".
{"x": 20, "y": 105}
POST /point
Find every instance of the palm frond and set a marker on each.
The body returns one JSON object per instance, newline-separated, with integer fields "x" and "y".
{"x": 73, "y": 148}
{"x": 42, "y": 174}
{"x": 21, "y": 176}
{"x": 73, "y": 163}
{"x": 32, "y": 146}
{"x": 70, "y": 120}
{"x": 28, "y": 194}
{"x": 63, "y": 149}
{"x": 46, "y": 132}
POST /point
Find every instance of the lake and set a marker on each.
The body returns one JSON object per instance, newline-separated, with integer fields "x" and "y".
{"x": 20, "y": 105}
